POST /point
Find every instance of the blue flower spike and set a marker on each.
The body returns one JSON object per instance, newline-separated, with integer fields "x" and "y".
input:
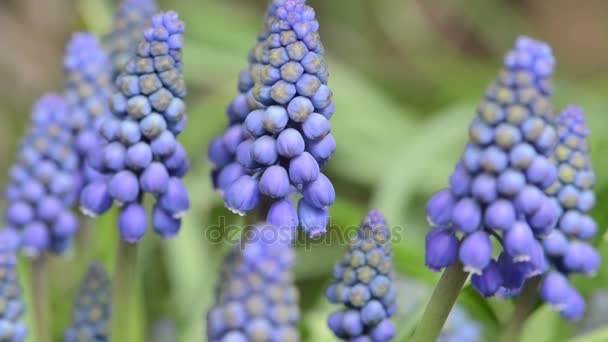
{"x": 256, "y": 299}
{"x": 497, "y": 187}
{"x": 277, "y": 149}
{"x": 88, "y": 88}
{"x": 140, "y": 152}
{"x": 572, "y": 193}
{"x": 12, "y": 327}
{"x": 43, "y": 183}
{"x": 90, "y": 319}
{"x": 363, "y": 283}
{"x": 130, "y": 20}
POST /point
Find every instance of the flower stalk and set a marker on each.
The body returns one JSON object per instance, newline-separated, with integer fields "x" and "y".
{"x": 524, "y": 306}
{"x": 443, "y": 299}
{"x": 40, "y": 299}
{"x": 124, "y": 291}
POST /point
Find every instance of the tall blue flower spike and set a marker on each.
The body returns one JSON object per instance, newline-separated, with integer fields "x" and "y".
{"x": 497, "y": 188}
{"x": 43, "y": 183}
{"x": 12, "y": 327}
{"x": 130, "y": 20}
{"x": 141, "y": 153}
{"x": 256, "y": 299}
{"x": 567, "y": 247}
{"x": 363, "y": 282}
{"x": 91, "y": 316}
{"x": 88, "y": 87}
{"x": 287, "y": 139}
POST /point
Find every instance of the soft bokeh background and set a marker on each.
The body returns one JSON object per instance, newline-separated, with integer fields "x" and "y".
{"x": 406, "y": 77}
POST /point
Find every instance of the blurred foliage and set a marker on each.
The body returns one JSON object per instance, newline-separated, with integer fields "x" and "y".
{"x": 406, "y": 76}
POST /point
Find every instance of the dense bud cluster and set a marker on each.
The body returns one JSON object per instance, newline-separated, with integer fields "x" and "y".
{"x": 256, "y": 299}
{"x": 497, "y": 188}
{"x": 130, "y": 20}
{"x": 363, "y": 282}
{"x": 141, "y": 153}
{"x": 87, "y": 90}
{"x": 43, "y": 183}
{"x": 12, "y": 306}
{"x": 91, "y": 316}
{"x": 567, "y": 247}
{"x": 287, "y": 137}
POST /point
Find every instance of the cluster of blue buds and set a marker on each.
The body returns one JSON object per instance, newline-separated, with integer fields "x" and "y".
{"x": 287, "y": 139}
{"x": 141, "y": 153}
{"x": 497, "y": 188}
{"x": 12, "y": 328}
{"x": 256, "y": 299}
{"x": 91, "y": 315}
{"x": 130, "y": 20}
{"x": 363, "y": 282}
{"x": 43, "y": 183}
{"x": 88, "y": 87}
{"x": 567, "y": 247}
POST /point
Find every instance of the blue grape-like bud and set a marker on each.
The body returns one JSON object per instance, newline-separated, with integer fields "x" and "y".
{"x": 130, "y": 19}
{"x": 140, "y": 152}
{"x": 475, "y": 252}
{"x": 441, "y": 249}
{"x": 256, "y": 298}
{"x": 44, "y": 180}
{"x": 132, "y": 223}
{"x": 489, "y": 281}
{"x": 92, "y": 306}
{"x": 283, "y": 110}
{"x": 367, "y": 273}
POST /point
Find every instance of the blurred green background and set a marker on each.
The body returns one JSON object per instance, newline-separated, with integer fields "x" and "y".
{"x": 406, "y": 77}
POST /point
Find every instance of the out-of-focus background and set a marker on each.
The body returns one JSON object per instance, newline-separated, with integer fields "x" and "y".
{"x": 406, "y": 76}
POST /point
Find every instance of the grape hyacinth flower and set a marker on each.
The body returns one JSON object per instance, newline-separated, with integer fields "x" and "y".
{"x": 91, "y": 315}
{"x": 130, "y": 20}
{"x": 497, "y": 188}
{"x": 88, "y": 87}
{"x": 256, "y": 299}
{"x": 288, "y": 138}
{"x": 568, "y": 247}
{"x": 363, "y": 282}
{"x": 11, "y": 326}
{"x": 43, "y": 180}
{"x": 141, "y": 153}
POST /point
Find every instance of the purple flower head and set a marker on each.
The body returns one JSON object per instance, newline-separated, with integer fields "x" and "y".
{"x": 13, "y": 329}
{"x": 88, "y": 88}
{"x": 43, "y": 183}
{"x": 572, "y": 196}
{"x": 280, "y": 120}
{"x": 256, "y": 298}
{"x": 140, "y": 152}
{"x": 363, "y": 283}
{"x": 130, "y": 19}
{"x": 497, "y": 187}
{"x": 91, "y": 312}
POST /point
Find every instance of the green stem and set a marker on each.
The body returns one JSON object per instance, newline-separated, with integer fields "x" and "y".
{"x": 124, "y": 292}
{"x": 524, "y": 306}
{"x": 599, "y": 335}
{"x": 85, "y": 244}
{"x": 40, "y": 299}
{"x": 443, "y": 299}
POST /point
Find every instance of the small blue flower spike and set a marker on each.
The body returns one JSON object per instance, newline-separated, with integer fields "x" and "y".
{"x": 363, "y": 283}
{"x": 130, "y": 20}
{"x": 256, "y": 299}
{"x": 280, "y": 135}
{"x": 12, "y": 327}
{"x": 91, "y": 317}
{"x": 43, "y": 183}
{"x": 140, "y": 152}
{"x": 88, "y": 87}
{"x": 568, "y": 246}
{"x": 497, "y": 188}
